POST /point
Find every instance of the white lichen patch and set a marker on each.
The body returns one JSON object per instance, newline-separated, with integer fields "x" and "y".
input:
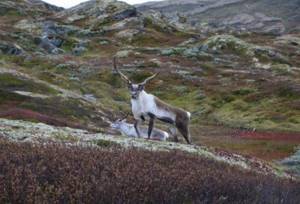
{"x": 31, "y": 94}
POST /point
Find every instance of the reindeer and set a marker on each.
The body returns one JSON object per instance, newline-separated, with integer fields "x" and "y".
{"x": 128, "y": 129}
{"x": 147, "y": 106}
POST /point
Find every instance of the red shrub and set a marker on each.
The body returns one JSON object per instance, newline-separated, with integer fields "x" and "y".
{"x": 61, "y": 174}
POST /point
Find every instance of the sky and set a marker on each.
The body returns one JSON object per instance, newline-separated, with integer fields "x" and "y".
{"x": 70, "y": 3}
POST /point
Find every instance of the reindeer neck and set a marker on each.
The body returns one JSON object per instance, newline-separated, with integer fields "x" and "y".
{"x": 141, "y": 96}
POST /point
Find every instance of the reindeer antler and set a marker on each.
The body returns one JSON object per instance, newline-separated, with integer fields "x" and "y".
{"x": 123, "y": 76}
{"x": 149, "y": 79}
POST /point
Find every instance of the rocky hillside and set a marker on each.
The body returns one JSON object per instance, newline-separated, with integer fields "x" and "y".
{"x": 56, "y": 68}
{"x": 260, "y": 16}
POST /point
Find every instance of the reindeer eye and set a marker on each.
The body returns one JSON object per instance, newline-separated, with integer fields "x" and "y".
{"x": 141, "y": 87}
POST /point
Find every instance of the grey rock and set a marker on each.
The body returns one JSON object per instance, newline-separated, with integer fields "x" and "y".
{"x": 78, "y": 51}
{"x": 191, "y": 52}
{"x": 80, "y": 48}
{"x": 126, "y": 13}
{"x": 10, "y": 49}
{"x": 127, "y": 34}
{"x": 53, "y": 36}
{"x": 47, "y": 45}
{"x": 104, "y": 42}
{"x": 89, "y": 33}
{"x": 293, "y": 162}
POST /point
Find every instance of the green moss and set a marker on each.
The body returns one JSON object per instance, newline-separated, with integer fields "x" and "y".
{"x": 207, "y": 66}
{"x": 13, "y": 12}
{"x": 149, "y": 23}
{"x": 112, "y": 79}
{"x": 145, "y": 40}
{"x": 6, "y": 96}
{"x": 281, "y": 69}
{"x": 111, "y": 8}
{"x": 65, "y": 137}
{"x": 139, "y": 76}
{"x": 69, "y": 44}
{"x": 265, "y": 114}
{"x": 8, "y": 81}
{"x": 106, "y": 143}
{"x": 149, "y": 65}
{"x": 243, "y": 91}
{"x": 288, "y": 92}
{"x": 189, "y": 100}
{"x": 99, "y": 25}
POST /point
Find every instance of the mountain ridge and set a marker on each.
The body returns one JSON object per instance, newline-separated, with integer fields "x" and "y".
{"x": 222, "y": 15}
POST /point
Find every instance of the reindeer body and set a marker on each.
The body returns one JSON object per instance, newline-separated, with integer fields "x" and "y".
{"x": 128, "y": 129}
{"x": 148, "y": 107}
{"x": 145, "y": 106}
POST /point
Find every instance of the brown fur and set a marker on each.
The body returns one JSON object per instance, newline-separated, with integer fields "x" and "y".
{"x": 182, "y": 119}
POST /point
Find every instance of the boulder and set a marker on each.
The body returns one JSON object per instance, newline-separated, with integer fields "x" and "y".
{"x": 80, "y": 48}
{"x": 291, "y": 41}
{"x": 293, "y": 162}
{"x": 10, "y": 48}
{"x": 125, "y": 13}
{"x": 123, "y": 53}
{"x": 30, "y": 26}
{"x": 127, "y": 34}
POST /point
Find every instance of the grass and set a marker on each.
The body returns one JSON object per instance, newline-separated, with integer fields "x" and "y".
{"x": 8, "y": 97}
{"x": 65, "y": 138}
{"x": 11, "y": 82}
{"x": 106, "y": 144}
{"x": 264, "y": 149}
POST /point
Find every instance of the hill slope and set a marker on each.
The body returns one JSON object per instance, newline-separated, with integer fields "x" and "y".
{"x": 262, "y": 16}
{"x": 56, "y": 68}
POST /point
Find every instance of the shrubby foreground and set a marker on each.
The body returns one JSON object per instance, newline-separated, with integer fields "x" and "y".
{"x": 52, "y": 173}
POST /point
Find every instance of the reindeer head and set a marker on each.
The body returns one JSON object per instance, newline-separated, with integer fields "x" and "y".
{"x": 117, "y": 124}
{"x": 135, "y": 89}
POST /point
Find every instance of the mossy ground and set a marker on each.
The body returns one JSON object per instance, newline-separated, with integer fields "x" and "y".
{"x": 222, "y": 88}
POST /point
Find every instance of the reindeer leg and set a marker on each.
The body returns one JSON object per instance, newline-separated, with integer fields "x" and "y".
{"x": 184, "y": 130}
{"x": 150, "y": 128}
{"x": 151, "y": 124}
{"x": 136, "y": 127}
{"x": 173, "y": 132}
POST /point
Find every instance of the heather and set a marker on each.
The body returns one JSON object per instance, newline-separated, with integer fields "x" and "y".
{"x": 57, "y": 173}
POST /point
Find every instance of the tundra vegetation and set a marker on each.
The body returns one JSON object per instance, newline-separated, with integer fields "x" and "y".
{"x": 241, "y": 87}
{"x": 57, "y": 173}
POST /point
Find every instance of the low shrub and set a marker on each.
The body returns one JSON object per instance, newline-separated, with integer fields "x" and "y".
{"x": 31, "y": 173}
